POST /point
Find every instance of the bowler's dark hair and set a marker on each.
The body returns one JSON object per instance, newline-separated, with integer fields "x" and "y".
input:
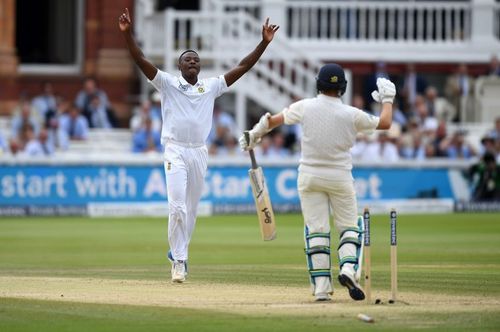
{"x": 186, "y": 51}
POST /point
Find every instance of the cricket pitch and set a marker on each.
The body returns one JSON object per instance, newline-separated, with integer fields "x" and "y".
{"x": 232, "y": 298}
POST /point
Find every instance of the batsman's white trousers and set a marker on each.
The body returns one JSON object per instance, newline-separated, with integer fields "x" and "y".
{"x": 185, "y": 170}
{"x": 317, "y": 194}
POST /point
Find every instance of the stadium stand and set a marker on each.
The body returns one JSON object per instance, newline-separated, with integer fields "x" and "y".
{"x": 104, "y": 141}
{"x": 313, "y": 32}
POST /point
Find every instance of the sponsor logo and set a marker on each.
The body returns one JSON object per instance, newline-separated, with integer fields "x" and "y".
{"x": 267, "y": 213}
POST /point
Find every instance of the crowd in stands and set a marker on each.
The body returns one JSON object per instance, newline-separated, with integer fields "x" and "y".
{"x": 48, "y": 123}
{"x": 421, "y": 119}
{"x": 146, "y": 126}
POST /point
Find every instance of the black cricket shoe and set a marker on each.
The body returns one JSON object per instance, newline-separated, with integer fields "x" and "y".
{"x": 355, "y": 290}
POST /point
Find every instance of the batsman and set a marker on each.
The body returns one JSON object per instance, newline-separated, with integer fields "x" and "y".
{"x": 325, "y": 181}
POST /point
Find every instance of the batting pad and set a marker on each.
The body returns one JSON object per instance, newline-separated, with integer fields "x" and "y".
{"x": 318, "y": 261}
{"x": 351, "y": 245}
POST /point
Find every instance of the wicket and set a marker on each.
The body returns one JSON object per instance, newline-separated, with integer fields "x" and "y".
{"x": 394, "y": 257}
{"x": 367, "y": 255}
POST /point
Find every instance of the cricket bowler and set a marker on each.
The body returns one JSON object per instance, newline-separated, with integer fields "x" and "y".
{"x": 187, "y": 105}
{"x": 324, "y": 179}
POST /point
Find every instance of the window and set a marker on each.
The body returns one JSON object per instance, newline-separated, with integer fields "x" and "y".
{"x": 49, "y": 35}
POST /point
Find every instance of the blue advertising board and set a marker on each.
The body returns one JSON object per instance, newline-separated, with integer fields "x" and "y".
{"x": 225, "y": 186}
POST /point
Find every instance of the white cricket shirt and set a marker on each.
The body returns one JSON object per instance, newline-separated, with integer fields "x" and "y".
{"x": 187, "y": 109}
{"x": 329, "y": 131}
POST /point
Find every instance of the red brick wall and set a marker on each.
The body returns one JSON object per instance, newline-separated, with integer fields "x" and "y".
{"x": 101, "y": 32}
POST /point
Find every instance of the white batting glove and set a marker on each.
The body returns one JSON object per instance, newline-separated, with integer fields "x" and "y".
{"x": 249, "y": 142}
{"x": 254, "y": 136}
{"x": 262, "y": 127}
{"x": 386, "y": 91}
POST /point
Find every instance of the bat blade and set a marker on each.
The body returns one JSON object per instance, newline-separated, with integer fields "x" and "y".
{"x": 263, "y": 204}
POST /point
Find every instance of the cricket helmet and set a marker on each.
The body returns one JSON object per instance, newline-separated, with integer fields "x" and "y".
{"x": 331, "y": 77}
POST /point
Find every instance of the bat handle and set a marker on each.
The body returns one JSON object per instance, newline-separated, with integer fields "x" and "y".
{"x": 252, "y": 157}
{"x": 252, "y": 154}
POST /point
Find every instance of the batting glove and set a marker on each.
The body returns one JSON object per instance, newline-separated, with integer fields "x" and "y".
{"x": 386, "y": 91}
{"x": 254, "y": 136}
{"x": 248, "y": 141}
{"x": 262, "y": 127}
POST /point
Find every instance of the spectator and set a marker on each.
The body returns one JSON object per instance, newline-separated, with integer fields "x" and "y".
{"x": 147, "y": 139}
{"x": 440, "y": 135}
{"x": 429, "y": 150}
{"x": 46, "y": 142}
{"x": 439, "y": 107}
{"x": 219, "y": 139}
{"x": 428, "y": 123}
{"x": 428, "y": 135}
{"x": 459, "y": 90}
{"x": 381, "y": 150}
{"x": 83, "y": 99}
{"x": 359, "y": 147}
{"x": 101, "y": 116}
{"x": 278, "y": 145}
{"x": 34, "y": 147}
{"x": 145, "y": 112}
{"x": 263, "y": 149}
{"x": 411, "y": 141}
{"x": 456, "y": 147}
{"x": 74, "y": 125}
{"x": 231, "y": 148}
{"x": 488, "y": 145}
{"x": 15, "y": 146}
{"x": 494, "y": 68}
{"x": 485, "y": 178}
{"x": 45, "y": 104}
{"x": 221, "y": 121}
{"x": 273, "y": 146}
{"x": 419, "y": 146}
{"x": 23, "y": 119}
{"x": 412, "y": 85}
{"x": 24, "y": 136}
{"x": 55, "y": 135}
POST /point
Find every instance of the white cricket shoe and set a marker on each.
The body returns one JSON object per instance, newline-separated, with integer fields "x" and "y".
{"x": 178, "y": 271}
{"x": 347, "y": 279}
{"x": 322, "y": 297}
{"x": 172, "y": 260}
{"x": 322, "y": 289}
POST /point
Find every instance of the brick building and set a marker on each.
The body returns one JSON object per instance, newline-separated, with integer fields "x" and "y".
{"x": 63, "y": 41}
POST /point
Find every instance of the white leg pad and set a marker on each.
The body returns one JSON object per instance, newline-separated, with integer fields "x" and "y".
{"x": 318, "y": 261}
{"x": 350, "y": 249}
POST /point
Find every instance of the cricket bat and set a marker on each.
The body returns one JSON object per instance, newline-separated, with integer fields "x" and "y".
{"x": 261, "y": 197}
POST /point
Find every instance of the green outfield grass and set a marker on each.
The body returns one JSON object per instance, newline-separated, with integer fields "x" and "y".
{"x": 452, "y": 261}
